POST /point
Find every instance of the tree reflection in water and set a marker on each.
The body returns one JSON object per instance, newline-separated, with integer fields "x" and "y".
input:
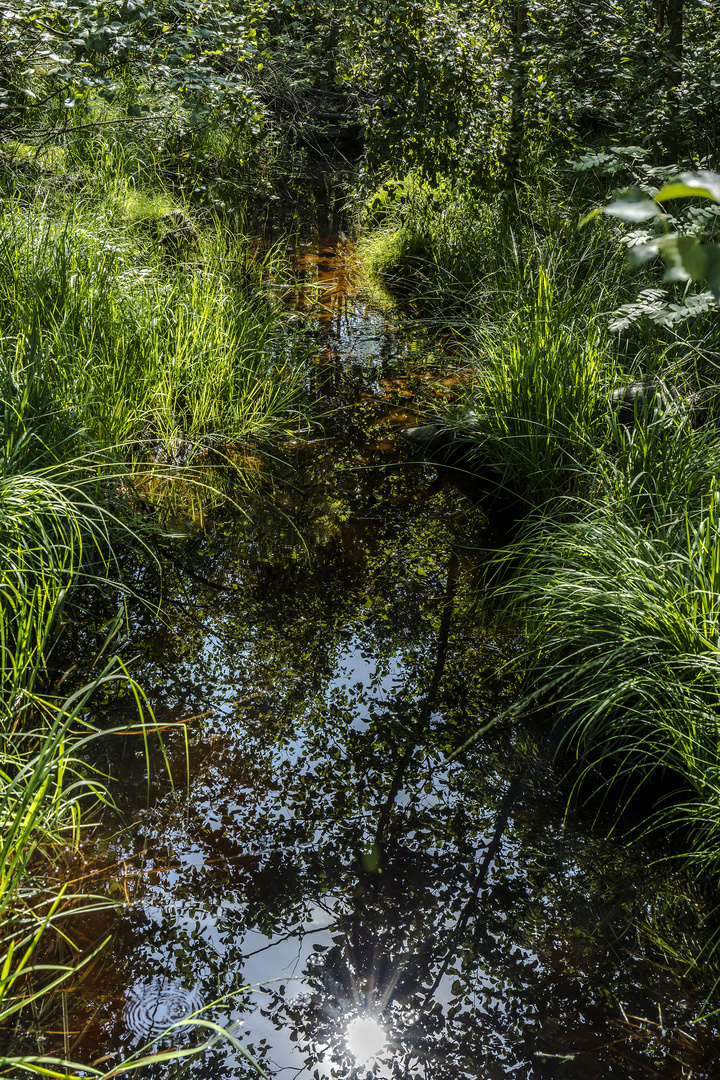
{"x": 328, "y": 851}
{"x": 332, "y": 856}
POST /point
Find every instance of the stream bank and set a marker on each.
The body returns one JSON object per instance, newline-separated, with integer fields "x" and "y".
{"x": 321, "y": 847}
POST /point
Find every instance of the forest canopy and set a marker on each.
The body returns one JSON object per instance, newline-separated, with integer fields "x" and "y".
{"x": 484, "y": 83}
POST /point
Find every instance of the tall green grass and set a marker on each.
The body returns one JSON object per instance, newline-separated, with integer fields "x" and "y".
{"x": 455, "y": 252}
{"x": 43, "y": 795}
{"x": 53, "y": 537}
{"x": 614, "y": 567}
{"x": 625, "y": 646}
{"x": 619, "y": 590}
{"x": 57, "y": 527}
{"x": 535, "y": 405}
{"x": 168, "y": 358}
{"x": 56, "y": 534}
{"x": 657, "y": 470}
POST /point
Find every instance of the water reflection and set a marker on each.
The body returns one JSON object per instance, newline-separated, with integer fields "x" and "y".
{"x": 365, "y": 1039}
{"x": 153, "y": 1006}
{"x": 329, "y": 866}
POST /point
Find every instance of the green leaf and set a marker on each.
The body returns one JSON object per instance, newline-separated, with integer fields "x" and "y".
{"x": 684, "y": 256}
{"x": 712, "y": 272}
{"x": 703, "y": 183}
{"x": 588, "y": 217}
{"x": 632, "y": 205}
{"x": 641, "y": 253}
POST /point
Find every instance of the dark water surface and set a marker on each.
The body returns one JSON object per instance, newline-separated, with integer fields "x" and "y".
{"x": 321, "y": 849}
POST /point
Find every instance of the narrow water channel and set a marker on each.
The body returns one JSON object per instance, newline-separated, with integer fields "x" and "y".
{"x": 356, "y": 900}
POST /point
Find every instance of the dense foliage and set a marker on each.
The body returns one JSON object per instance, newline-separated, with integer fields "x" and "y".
{"x": 485, "y": 86}
{"x": 148, "y": 368}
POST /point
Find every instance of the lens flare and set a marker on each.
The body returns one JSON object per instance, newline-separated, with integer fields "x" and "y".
{"x": 365, "y": 1039}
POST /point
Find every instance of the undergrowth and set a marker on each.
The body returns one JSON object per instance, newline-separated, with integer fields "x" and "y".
{"x": 164, "y": 340}
{"x": 475, "y": 257}
{"x": 605, "y": 445}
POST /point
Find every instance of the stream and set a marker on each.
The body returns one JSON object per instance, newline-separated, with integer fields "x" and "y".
{"x": 337, "y": 867}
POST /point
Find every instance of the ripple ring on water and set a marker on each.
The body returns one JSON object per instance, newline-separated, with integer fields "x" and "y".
{"x": 155, "y": 1005}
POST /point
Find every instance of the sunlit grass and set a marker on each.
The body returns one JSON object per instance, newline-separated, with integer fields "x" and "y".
{"x": 614, "y": 564}
{"x": 534, "y": 407}
{"x": 454, "y": 250}
{"x": 144, "y": 360}
{"x": 624, "y": 631}
{"x": 162, "y": 353}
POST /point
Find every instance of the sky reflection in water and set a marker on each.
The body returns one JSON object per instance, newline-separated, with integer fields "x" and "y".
{"x": 392, "y": 912}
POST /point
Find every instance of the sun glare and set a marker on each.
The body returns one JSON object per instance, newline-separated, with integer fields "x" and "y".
{"x": 365, "y": 1038}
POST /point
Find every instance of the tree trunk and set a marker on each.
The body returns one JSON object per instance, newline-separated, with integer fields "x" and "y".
{"x": 660, "y": 6}
{"x": 675, "y": 39}
{"x": 519, "y": 74}
{"x": 674, "y": 15}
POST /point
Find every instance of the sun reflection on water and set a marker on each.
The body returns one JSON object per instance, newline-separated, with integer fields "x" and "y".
{"x": 365, "y": 1039}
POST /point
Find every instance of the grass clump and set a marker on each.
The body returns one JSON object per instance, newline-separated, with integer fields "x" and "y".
{"x": 536, "y": 406}
{"x": 625, "y": 644}
{"x": 659, "y": 469}
{"x": 57, "y": 527}
{"x": 615, "y": 570}
{"x": 165, "y": 343}
{"x": 427, "y": 240}
{"x": 474, "y": 257}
